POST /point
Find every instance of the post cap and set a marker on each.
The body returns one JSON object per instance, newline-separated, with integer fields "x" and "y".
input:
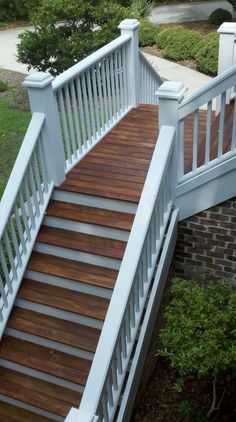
{"x": 38, "y": 80}
{"x": 129, "y": 24}
{"x": 227, "y": 28}
{"x": 172, "y": 90}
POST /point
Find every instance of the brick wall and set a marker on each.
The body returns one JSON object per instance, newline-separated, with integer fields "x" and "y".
{"x": 206, "y": 246}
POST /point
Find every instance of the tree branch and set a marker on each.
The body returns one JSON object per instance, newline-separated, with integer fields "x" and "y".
{"x": 212, "y": 408}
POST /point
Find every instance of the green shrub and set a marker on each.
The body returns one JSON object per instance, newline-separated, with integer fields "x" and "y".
{"x": 199, "y": 336}
{"x": 53, "y": 47}
{"x": 3, "y": 86}
{"x": 179, "y": 43}
{"x": 140, "y": 8}
{"x": 11, "y": 10}
{"x": 218, "y": 16}
{"x": 207, "y": 55}
{"x": 148, "y": 33}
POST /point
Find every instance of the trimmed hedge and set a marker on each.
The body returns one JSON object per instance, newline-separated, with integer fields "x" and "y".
{"x": 219, "y": 16}
{"x": 207, "y": 55}
{"x": 12, "y": 10}
{"x": 148, "y": 33}
{"x": 179, "y": 43}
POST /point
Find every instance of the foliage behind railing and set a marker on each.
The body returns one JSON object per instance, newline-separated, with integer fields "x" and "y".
{"x": 110, "y": 365}
{"x": 21, "y": 209}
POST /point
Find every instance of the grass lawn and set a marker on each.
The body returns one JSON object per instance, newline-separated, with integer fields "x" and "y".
{"x": 13, "y": 125}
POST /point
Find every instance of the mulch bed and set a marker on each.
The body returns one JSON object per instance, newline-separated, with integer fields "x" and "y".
{"x": 161, "y": 403}
{"x": 16, "y": 94}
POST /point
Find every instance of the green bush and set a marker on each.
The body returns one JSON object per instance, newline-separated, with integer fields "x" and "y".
{"x": 148, "y": 33}
{"x": 218, "y": 16}
{"x": 207, "y": 55}
{"x": 179, "y": 43}
{"x": 12, "y": 10}
{"x": 3, "y": 86}
{"x": 140, "y": 8}
{"x": 199, "y": 336}
{"x": 53, "y": 47}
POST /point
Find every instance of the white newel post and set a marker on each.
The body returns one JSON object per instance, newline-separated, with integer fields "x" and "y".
{"x": 170, "y": 94}
{"x": 41, "y": 97}
{"x": 130, "y": 27}
{"x": 226, "y": 56}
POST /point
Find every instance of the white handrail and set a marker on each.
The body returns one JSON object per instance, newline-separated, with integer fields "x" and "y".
{"x": 18, "y": 171}
{"x": 159, "y": 169}
{"x": 21, "y": 210}
{"x": 84, "y": 64}
{"x": 210, "y": 90}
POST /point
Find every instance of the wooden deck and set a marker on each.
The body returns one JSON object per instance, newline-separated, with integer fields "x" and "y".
{"x": 117, "y": 167}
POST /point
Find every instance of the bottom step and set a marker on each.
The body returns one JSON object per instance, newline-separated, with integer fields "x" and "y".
{"x": 9, "y": 413}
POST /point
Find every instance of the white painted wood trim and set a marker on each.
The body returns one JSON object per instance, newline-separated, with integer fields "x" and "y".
{"x": 151, "y": 312}
{"x": 210, "y": 90}
{"x": 19, "y": 169}
{"x": 80, "y": 67}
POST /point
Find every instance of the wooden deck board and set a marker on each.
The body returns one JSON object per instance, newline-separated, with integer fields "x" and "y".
{"x": 126, "y": 151}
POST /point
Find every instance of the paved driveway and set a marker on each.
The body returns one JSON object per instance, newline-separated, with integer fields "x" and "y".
{"x": 8, "y": 42}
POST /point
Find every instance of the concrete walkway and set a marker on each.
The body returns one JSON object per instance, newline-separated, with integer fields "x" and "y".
{"x": 186, "y": 12}
{"x": 175, "y": 72}
{"x": 8, "y": 51}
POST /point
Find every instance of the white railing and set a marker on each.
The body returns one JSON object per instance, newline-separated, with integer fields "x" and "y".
{"x": 150, "y": 81}
{"x": 21, "y": 210}
{"x": 214, "y": 136}
{"x": 91, "y": 97}
{"x": 110, "y": 365}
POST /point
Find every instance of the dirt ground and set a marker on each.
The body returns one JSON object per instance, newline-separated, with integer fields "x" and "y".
{"x": 16, "y": 94}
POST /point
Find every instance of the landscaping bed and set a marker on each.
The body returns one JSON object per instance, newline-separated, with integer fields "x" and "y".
{"x": 161, "y": 403}
{"x": 197, "y": 49}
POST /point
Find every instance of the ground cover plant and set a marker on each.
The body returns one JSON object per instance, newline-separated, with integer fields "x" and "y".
{"x": 197, "y": 49}
{"x": 199, "y": 336}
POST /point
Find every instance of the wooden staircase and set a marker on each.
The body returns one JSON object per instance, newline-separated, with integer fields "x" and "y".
{"x": 54, "y": 328}
{"x": 52, "y": 334}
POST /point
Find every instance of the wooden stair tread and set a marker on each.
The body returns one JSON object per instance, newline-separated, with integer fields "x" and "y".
{"x": 40, "y": 358}
{"x": 82, "y": 242}
{"x": 10, "y": 413}
{"x": 54, "y": 329}
{"x": 64, "y": 299}
{"x": 35, "y": 392}
{"x": 73, "y": 270}
{"x": 91, "y": 215}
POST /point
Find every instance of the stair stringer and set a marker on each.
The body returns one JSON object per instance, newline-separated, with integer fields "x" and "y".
{"x": 207, "y": 189}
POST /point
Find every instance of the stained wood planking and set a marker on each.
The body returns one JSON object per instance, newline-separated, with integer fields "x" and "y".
{"x": 9, "y": 413}
{"x": 125, "y": 153}
{"x": 35, "y": 392}
{"x": 73, "y": 270}
{"x": 51, "y": 328}
{"x": 64, "y": 299}
{"x": 91, "y": 215}
{"x": 116, "y": 168}
{"x": 40, "y": 358}
{"x": 82, "y": 242}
